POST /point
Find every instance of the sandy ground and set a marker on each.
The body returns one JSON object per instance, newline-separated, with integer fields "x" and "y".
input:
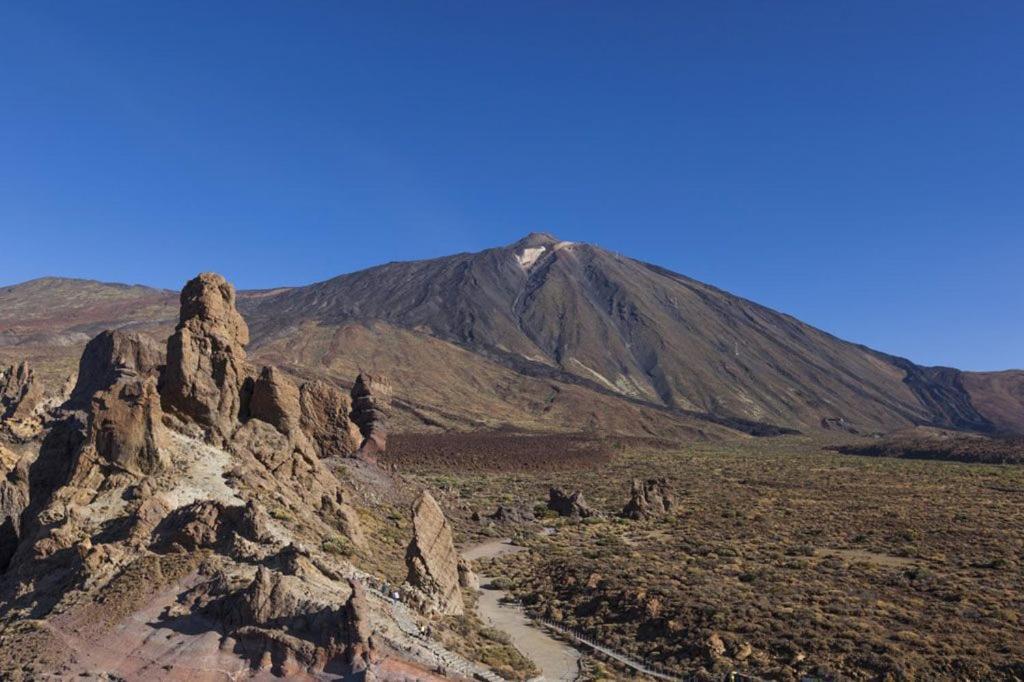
{"x": 557, "y": 660}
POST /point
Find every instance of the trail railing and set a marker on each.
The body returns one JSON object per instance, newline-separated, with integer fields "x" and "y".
{"x": 649, "y": 668}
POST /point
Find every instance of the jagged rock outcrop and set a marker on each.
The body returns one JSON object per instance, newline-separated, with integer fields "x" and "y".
{"x": 325, "y": 419}
{"x": 117, "y": 385}
{"x": 648, "y": 498}
{"x": 432, "y": 560}
{"x": 206, "y": 366}
{"x": 287, "y": 630}
{"x": 275, "y": 400}
{"x": 569, "y": 504}
{"x": 371, "y": 400}
{"x": 20, "y": 393}
{"x": 126, "y": 424}
{"x": 208, "y": 524}
{"x": 119, "y": 499}
{"x": 109, "y": 357}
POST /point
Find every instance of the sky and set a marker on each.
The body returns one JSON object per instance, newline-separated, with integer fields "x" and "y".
{"x": 859, "y": 165}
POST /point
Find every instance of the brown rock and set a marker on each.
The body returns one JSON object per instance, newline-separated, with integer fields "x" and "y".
{"x": 275, "y": 400}
{"x": 110, "y": 357}
{"x": 714, "y": 647}
{"x": 371, "y": 400}
{"x": 648, "y": 498}
{"x": 14, "y": 498}
{"x": 211, "y": 525}
{"x": 467, "y": 578}
{"x": 20, "y": 393}
{"x": 206, "y": 358}
{"x": 432, "y": 560}
{"x": 126, "y": 426}
{"x": 569, "y": 504}
{"x": 358, "y": 627}
{"x": 325, "y": 419}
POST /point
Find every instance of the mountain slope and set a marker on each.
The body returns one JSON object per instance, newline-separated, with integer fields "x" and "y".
{"x": 478, "y": 340}
{"x": 575, "y": 312}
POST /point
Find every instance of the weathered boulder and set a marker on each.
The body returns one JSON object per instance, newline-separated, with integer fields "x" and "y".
{"x": 325, "y": 419}
{"x": 432, "y": 560}
{"x": 569, "y": 504}
{"x": 275, "y": 400}
{"x": 109, "y": 357}
{"x": 206, "y": 358}
{"x": 20, "y": 393}
{"x": 648, "y": 498}
{"x": 371, "y": 400}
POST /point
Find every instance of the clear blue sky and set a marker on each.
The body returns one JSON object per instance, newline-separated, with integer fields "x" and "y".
{"x": 859, "y": 165}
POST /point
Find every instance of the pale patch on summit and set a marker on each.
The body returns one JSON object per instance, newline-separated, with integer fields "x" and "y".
{"x": 529, "y": 256}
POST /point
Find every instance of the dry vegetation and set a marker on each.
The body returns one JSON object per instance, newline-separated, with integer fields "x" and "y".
{"x": 781, "y": 559}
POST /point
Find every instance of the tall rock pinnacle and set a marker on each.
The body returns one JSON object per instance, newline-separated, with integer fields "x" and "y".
{"x": 206, "y": 357}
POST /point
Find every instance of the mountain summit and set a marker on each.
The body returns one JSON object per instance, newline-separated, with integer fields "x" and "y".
{"x": 545, "y": 333}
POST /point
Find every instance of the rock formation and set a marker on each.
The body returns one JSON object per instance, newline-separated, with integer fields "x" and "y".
{"x": 117, "y": 384}
{"x": 206, "y": 358}
{"x": 20, "y": 393}
{"x": 126, "y": 425}
{"x": 506, "y": 514}
{"x": 201, "y": 475}
{"x": 110, "y": 357}
{"x": 569, "y": 504}
{"x": 325, "y": 419}
{"x": 648, "y": 498}
{"x": 358, "y": 628}
{"x": 432, "y": 560}
{"x": 275, "y": 400}
{"x": 467, "y": 578}
{"x": 371, "y": 398}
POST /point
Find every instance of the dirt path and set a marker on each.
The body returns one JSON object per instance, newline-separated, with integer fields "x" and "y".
{"x": 558, "y": 661}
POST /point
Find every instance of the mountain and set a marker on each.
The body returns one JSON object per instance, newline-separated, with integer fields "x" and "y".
{"x": 545, "y": 334}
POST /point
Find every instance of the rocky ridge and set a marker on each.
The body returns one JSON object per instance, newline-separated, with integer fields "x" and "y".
{"x": 174, "y": 472}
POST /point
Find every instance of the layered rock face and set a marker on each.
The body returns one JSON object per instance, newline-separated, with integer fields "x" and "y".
{"x": 432, "y": 560}
{"x": 648, "y": 498}
{"x": 325, "y": 419}
{"x": 371, "y": 398}
{"x": 569, "y": 504}
{"x": 206, "y": 366}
